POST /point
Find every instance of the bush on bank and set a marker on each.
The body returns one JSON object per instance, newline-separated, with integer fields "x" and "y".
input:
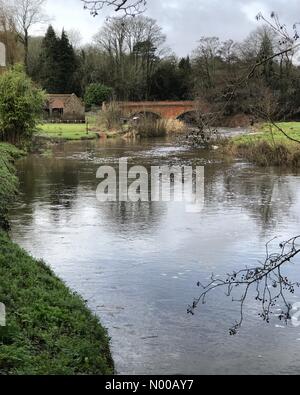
{"x": 21, "y": 104}
{"x": 96, "y": 94}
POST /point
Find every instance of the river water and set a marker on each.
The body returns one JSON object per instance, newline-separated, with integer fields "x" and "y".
{"x": 137, "y": 264}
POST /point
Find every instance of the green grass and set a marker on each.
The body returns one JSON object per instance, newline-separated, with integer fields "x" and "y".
{"x": 62, "y": 131}
{"x": 8, "y": 180}
{"x": 270, "y": 134}
{"x": 49, "y": 329}
{"x": 92, "y": 119}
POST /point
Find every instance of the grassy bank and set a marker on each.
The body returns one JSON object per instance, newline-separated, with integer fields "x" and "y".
{"x": 49, "y": 329}
{"x": 65, "y": 131}
{"x": 8, "y": 180}
{"x": 268, "y": 146}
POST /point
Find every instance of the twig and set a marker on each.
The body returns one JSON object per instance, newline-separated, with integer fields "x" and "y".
{"x": 267, "y": 279}
{"x": 128, "y": 7}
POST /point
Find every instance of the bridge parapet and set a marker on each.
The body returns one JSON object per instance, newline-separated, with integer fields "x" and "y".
{"x": 163, "y": 109}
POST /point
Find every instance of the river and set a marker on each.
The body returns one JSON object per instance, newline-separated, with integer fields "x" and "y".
{"x": 137, "y": 264}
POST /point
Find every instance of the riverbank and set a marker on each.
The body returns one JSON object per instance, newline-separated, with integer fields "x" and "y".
{"x": 8, "y": 180}
{"x": 49, "y": 329}
{"x": 268, "y": 146}
{"x": 108, "y": 124}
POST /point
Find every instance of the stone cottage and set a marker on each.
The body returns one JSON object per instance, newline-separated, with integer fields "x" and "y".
{"x": 64, "y": 107}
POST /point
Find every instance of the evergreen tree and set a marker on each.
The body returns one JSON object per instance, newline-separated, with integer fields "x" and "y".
{"x": 67, "y": 65}
{"x": 96, "y": 94}
{"x": 49, "y": 61}
{"x": 165, "y": 82}
{"x": 58, "y": 63}
{"x": 185, "y": 76}
{"x": 185, "y": 65}
{"x": 266, "y": 51}
{"x": 144, "y": 53}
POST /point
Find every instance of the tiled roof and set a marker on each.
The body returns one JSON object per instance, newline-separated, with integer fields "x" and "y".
{"x": 57, "y": 100}
{"x": 57, "y": 103}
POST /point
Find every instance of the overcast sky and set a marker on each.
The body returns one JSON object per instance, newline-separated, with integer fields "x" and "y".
{"x": 183, "y": 21}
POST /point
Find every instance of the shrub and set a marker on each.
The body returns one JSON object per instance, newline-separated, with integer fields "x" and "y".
{"x": 96, "y": 94}
{"x": 296, "y": 159}
{"x": 21, "y": 105}
{"x": 175, "y": 126}
{"x": 110, "y": 117}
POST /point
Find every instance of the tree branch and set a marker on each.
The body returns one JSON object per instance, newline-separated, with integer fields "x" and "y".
{"x": 128, "y": 7}
{"x": 266, "y": 279}
{"x": 282, "y": 131}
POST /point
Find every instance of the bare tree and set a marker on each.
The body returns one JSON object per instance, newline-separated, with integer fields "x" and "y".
{"x": 8, "y": 33}
{"x": 75, "y": 38}
{"x": 205, "y": 57}
{"x": 286, "y": 44}
{"x": 119, "y": 37}
{"x": 28, "y": 13}
{"x": 133, "y": 47}
{"x": 128, "y": 7}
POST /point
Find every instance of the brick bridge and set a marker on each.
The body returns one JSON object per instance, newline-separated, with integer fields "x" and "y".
{"x": 163, "y": 109}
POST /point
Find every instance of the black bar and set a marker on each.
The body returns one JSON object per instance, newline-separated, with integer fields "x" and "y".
{"x": 109, "y": 384}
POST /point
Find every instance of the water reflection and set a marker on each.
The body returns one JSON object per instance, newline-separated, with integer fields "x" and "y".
{"x": 268, "y": 196}
{"x": 137, "y": 264}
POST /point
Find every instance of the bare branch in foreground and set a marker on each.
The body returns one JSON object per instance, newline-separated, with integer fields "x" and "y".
{"x": 267, "y": 280}
{"x": 266, "y": 60}
{"x": 281, "y": 29}
{"x": 128, "y": 7}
